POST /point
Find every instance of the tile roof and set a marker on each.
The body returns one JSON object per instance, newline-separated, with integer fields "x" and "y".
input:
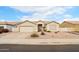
{"x": 41, "y": 21}
{"x": 72, "y": 22}
{"x": 7, "y": 23}
{"x": 35, "y": 22}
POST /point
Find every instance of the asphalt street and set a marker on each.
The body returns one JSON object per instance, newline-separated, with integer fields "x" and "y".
{"x": 38, "y": 48}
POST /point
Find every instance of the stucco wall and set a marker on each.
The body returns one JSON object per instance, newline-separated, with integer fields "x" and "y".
{"x": 67, "y": 25}
{"x": 15, "y": 29}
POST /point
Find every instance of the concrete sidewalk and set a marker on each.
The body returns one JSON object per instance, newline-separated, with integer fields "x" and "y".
{"x": 40, "y": 41}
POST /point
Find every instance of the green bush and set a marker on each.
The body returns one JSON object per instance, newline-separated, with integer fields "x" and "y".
{"x": 48, "y": 31}
{"x": 34, "y": 35}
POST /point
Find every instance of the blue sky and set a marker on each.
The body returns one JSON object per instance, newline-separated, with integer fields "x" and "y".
{"x": 53, "y": 13}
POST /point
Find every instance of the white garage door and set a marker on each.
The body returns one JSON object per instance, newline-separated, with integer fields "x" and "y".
{"x": 26, "y": 29}
{"x": 52, "y": 27}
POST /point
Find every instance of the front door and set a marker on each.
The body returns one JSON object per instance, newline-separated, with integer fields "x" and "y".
{"x": 40, "y": 27}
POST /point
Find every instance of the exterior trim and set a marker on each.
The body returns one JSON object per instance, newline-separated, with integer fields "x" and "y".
{"x": 52, "y": 22}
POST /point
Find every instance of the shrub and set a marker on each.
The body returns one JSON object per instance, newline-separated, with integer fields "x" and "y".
{"x": 48, "y": 31}
{"x": 56, "y": 32}
{"x": 5, "y": 30}
{"x": 34, "y": 35}
{"x": 45, "y": 30}
{"x": 42, "y": 33}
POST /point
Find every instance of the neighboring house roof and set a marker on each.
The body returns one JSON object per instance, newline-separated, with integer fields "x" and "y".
{"x": 72, "y": 22}
{"x": 7, "y": 23}
{"x": 24, "y": 22}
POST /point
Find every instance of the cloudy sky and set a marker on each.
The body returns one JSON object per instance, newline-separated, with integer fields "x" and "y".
{"x": 52, "y": 13}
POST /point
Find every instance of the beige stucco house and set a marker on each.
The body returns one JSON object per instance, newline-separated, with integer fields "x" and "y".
{"x": 70, "y": 25}
{"x": 36, "y": 26}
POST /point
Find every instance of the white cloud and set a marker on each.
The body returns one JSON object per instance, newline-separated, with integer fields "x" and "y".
{"x": 42, "y": 12}
{"x": 71, "y": 19}
{"x": 2, "y": 20}
{"x": 32, "y": 19}
{"x": 68, "y": 16}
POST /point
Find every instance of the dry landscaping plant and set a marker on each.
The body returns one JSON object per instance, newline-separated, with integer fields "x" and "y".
{"x": 42, "y": 33}
{"x": 34, "y": 35}
{"x": 56, "y": 32}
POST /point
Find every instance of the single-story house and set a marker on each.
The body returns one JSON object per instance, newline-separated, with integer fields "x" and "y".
{"x": 36, "y": 26}
{"x": 70, "y": 25}
{"x": 7, "y": 25}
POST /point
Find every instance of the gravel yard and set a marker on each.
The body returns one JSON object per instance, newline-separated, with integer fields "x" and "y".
{"x": 52, "y": 35}
{"x": 48, "y": 38}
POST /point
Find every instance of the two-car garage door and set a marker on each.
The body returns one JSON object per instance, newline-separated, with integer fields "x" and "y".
{"x": 26, "y": 29}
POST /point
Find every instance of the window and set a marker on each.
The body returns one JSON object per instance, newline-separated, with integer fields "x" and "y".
{"x": 1, "y": 27}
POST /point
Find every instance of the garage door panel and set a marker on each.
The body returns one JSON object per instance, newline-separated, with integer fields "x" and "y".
{"x": 53, "y": 27}
{"x": 26, "y": 29}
